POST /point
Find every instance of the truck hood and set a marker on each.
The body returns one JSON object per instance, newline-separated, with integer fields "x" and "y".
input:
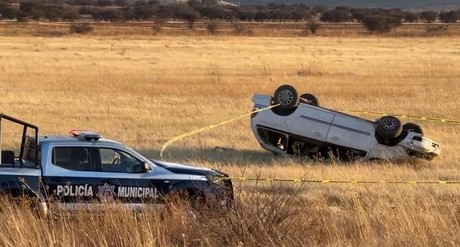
{"x": 185, "y": 169}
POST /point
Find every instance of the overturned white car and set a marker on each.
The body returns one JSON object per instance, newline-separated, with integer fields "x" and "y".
{"x": 299, "y": 126}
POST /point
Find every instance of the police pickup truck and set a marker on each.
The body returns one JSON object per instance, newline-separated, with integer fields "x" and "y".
{"x": 83, "y": 171}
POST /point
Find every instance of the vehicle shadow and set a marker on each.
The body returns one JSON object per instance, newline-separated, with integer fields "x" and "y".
{"x": 221, "y": 155}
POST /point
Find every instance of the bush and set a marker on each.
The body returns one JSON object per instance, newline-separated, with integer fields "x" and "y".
{"x": 380, "y": 23}
{"x": 212, "y": 26}
{"x": 450, "y": 17}
{"x": 81, "y": 28}
{"x": 10, "y": 13}
{"x": 436, "y": 29}
{"x": 336, "y": 16}
{"x": 428, "y": 16}
{"x": 158, "y": 25}
{"x": 313, "y": 26}
{"x": 240, "y": 29}
{"x": 411, "y": 17}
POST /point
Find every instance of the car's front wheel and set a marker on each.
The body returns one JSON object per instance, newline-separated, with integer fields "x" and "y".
{"x": 389, "y": 127}
{"x": 309, "y": 99}
{"x": 413, "y": 127}
{"x": 286, "y": 97}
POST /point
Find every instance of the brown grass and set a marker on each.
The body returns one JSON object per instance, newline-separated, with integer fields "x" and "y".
{"x": 144, "y": 90}
{"x": 255, "y": 29}
{"x": 264, "y": 215}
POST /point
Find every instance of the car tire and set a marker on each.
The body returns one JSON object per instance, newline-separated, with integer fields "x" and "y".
{"x": 389, "y": 127}
{"x": 413, "y": 127}
{"x": 309, "y": 99}
{"x": 286, "y": 96}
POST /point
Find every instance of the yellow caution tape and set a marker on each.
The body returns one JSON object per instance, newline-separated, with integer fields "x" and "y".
{"x": 404, "y": 116}
{"x": 330, "y": 181}
{"x": 180, "y": 137}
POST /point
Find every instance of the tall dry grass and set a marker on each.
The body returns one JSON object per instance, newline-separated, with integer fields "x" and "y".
{"x": 264, "y": 215}
{"x": 145, "y": 90}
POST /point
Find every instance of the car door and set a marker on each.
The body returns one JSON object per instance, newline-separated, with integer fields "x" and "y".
{"x": 351, "y": 132}
{"x": 310, "y": 122}
{"x": 70, "y": 176}
{"x": 121, "y": 176}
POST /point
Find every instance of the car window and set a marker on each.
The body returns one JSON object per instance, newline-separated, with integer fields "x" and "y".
{"x": 273, "y": 138}
{"x": 114, "y": 160}
{"x": 72, "y": 158}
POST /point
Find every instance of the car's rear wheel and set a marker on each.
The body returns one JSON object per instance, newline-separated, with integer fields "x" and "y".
{"x": 286, "y": 96}
{"x": 309, "y": 99}
{"x": 413, "y": 127}
{"x": 389, "y": 127}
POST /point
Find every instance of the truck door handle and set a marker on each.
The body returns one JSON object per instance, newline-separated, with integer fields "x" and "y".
{"x": 108, "y": 181}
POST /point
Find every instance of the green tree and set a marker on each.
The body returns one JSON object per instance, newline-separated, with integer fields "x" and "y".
{"x": 450, "y": 16}
{"x": 9, "y": 13}
{"x": 187, "y": 13}
{"x": 429, "y": 16}
{"x": 380, "y": 23}
{"x": 70, "y": 14}
{"x": 53, "y": 13}
{"x": 411, "y": 17}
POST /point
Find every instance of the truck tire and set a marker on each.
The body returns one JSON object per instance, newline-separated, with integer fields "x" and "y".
{"x": 287, "y": 98}
{"x": 389, "y": 127}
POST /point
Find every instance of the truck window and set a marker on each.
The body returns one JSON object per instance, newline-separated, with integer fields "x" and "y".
{"x": 72, "y": 158}
{"x": 29, "y": 151}
{"x": 114, "y": 160}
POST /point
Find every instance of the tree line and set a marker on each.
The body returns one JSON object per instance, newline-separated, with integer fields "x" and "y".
{"x": 374, "y": 19}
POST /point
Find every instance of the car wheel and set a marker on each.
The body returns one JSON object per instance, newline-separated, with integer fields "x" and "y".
{"x": 286, "y": 96}
{"x": 309, "y": 99}
{"x": 413, "y": 127}
{"x": 389, "y": 127}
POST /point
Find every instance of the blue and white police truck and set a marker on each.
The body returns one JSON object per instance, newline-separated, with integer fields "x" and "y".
{"x": 83, "y": 171}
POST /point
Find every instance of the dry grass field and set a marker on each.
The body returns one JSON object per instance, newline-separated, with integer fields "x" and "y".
{"x": 145, "y": 90}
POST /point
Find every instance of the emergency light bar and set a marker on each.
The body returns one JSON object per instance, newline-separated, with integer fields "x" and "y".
{"x": 86, "y": 135}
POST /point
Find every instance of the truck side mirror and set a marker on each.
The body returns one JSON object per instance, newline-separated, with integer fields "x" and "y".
{"x": 146, "y": 167}
{"x": 141, "y": 168}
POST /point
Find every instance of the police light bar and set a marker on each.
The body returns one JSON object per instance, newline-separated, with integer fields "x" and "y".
{"x": 85, "y": 134}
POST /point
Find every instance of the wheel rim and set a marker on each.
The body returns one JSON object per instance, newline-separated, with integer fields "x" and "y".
{"x": 389, "y": 124}
{"x": 285, "y": 97}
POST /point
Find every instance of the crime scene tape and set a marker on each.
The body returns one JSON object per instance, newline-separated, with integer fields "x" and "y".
{"x": 330, "y": 181}
{"x": 187, "y": 134}
{"x": 404, "y": 116}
